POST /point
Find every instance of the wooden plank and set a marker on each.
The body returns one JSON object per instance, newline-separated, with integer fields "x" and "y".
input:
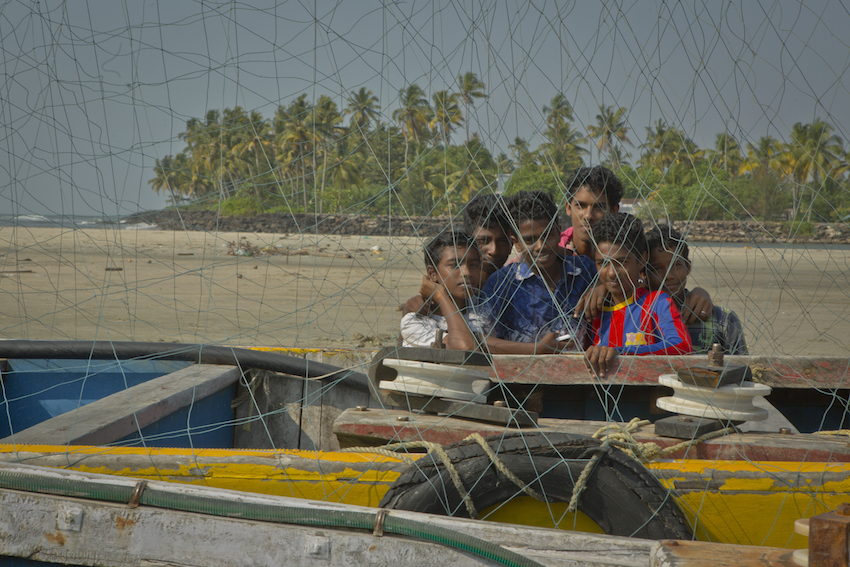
{"x": 366, "y": 428}
{"x": 123, "y": 413}
{"x": 675, "y": 553}
{"x": 829, "y": 372}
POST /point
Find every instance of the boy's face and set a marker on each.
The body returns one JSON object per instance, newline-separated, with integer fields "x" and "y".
{"x": 586, "y": 207}
{"x": 538, "y": 244}
{"x": 619, "y": 269}
{"x": 459, "y": 272}
{"x": 495, "y": 248}
{"x": 667, "y": 271}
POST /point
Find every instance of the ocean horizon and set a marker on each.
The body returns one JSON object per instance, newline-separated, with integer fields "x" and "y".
{"x": 72, "y": 221}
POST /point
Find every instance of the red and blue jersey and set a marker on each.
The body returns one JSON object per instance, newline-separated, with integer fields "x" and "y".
{"x": 648, "y": 323}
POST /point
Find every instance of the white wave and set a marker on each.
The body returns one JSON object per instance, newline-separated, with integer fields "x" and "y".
{"x": 140, "y": 226}
{"x": 32, "y": 218}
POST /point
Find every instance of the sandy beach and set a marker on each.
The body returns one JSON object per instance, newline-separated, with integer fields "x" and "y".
{"x": 342, "y": 291}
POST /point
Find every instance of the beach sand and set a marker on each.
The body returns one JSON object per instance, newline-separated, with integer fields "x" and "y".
{"x": 335, "y": 291}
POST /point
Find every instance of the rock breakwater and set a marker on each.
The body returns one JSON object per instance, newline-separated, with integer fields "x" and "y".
{"x": 285, "y": 223}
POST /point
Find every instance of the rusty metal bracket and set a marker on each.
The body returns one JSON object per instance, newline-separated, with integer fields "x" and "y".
{"x": 137, "y": 494}
{"x": 378, "y": 530}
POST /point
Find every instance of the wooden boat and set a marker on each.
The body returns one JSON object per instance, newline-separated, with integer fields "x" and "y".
{"x": 719, "y": 486}
{"x": 68, "y": 517}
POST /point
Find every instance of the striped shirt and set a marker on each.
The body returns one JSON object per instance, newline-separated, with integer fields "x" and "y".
{"x": 647, "y": 323}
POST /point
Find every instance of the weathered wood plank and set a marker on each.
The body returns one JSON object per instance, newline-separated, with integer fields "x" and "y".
{"x": 123, "y": 413}
{"x": 775, "y": 371}
{"x": 830, "y": 372}
{"x": 675, "y": 553}
{"x": 366, "y": 428}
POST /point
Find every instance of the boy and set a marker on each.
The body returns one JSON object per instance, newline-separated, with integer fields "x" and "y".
{"x": 453, "y": 270}
{"x": 668, "y": 270}
{"x": 593, "y": 193}
{"x": 634, "y": 320}
{"x": 529, "y": 303}
{"x": 485, "y": 220}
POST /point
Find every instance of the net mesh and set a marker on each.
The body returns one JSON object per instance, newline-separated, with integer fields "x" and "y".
{"x": 267, "y": 175}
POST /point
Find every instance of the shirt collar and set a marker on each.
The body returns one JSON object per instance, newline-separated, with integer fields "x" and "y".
{"x": 525, "y": 272}
{"x": 639, "y": 292}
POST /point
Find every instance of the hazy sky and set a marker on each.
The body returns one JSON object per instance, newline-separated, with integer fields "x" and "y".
{"x": 93, "y": 91}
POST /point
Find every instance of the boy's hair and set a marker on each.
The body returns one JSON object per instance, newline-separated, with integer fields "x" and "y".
{"x": 667, "y": 238}
{"x": 452, "y": 239}
{"x": 485, "y": 210}
{"x": 622, "y": 229}
{"x": 597, "y": 179}
{"x": 532, "y": 206}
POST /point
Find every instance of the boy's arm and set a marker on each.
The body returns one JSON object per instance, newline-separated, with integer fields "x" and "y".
{"x": 591, "y": 302}
{"x": 673, "y": 335}
{"x": 697, "y": 306}
{"x": 458, "y": 336}
{"x": 548, "y": 344}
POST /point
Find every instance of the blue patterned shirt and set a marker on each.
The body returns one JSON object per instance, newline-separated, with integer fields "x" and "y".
{"x": 519, "y": 306}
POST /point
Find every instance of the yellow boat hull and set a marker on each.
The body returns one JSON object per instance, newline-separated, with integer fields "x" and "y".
{"x": 751, "y": 503}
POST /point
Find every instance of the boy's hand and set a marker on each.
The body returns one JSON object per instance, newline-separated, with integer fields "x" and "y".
{"x": 600, "y": 358}
{"x": 591, "y": 302}
{"x": 697, "y": 306}
{"x": 550, "y": 344}
{"x": 417, "y": 304}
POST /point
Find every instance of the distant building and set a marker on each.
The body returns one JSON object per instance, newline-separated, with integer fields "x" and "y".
{"x": 631, "y": 206}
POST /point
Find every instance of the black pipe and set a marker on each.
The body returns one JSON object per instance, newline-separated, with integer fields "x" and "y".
{"x": 201, "y": 354}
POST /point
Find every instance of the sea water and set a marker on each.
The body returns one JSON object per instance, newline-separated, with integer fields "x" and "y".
{"x": 71, "y": 222}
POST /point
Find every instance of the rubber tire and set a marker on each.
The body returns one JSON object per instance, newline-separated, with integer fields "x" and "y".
{"x": 621, "y": 495}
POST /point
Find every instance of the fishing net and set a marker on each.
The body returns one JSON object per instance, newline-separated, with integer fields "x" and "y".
{"x": 240, "y": 175}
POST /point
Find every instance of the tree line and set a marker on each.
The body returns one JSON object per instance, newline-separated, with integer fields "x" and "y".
{"x": 313, "y": 156}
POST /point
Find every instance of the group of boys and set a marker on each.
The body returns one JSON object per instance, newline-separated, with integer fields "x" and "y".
{"x": 601, "y": 286}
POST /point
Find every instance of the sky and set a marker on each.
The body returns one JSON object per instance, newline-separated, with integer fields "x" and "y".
{"x": 93, "y": 92}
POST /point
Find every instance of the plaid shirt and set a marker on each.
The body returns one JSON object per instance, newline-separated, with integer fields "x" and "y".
{"x": 519, "y": 306}
{"x": 722, "y": 327}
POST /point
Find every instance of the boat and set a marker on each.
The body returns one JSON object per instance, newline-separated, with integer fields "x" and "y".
{"x": 286, "y": 423}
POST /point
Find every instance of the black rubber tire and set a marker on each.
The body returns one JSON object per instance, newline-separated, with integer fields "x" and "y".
{"x": 621, "y": 495}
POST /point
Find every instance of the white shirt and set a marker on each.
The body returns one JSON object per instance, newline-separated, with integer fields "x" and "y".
{"x": 421, "y": 330}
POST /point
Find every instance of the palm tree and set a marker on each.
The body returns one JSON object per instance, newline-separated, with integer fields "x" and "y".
{"x": 255, "y": 148}
{"x": 562, "y": 150}
{"x": 296, "y": 140}
{"x": 363, "y": 109}
{"x": 610, "y": 129}
{"x": 326, "y": 120}
{"x": 470, "y": 87}
{"x": 762, "y": 154}
{"x": 812, "y": 150}
{"x": 172, "y": 177}
{"x": 727, "y": 154}
{"x": 522, "y": 152}
{"x": 447, "y": 115}
{"x": 559, "y": 113}
{"x": 413, "y": 116}
{"x": 666, "y": 146}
